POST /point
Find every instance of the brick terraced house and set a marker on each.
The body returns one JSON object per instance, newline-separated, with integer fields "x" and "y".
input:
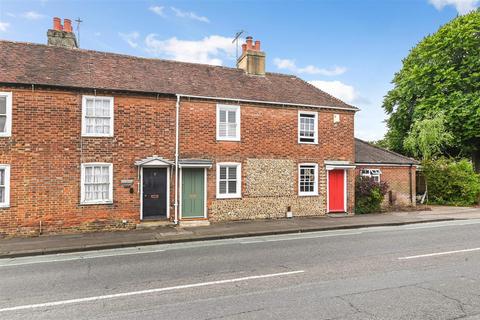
{"x": 94, "y": 141}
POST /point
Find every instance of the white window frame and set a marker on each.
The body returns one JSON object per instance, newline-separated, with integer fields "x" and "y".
{"x": 84, "y": 113}
{"x": 371, "y": 173}
{"x": 315, "y": 185}
{"x": 6, "y": 203}
{"x": 229, "y": 107}
{"x": 238, "y": 194}
{"x": 82, "y": 183}
{"x": 8, "y": 123}
{"x": 315, "y": 136}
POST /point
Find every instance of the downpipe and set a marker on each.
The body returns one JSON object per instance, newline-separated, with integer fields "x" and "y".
{"x": 177, "y": 125}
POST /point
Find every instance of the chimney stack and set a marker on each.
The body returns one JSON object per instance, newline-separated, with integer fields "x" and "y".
{"x": 62, "y": 35}
{"x": 252, "y": 59}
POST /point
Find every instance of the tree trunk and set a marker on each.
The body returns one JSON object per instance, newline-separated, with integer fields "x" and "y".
{"x": 476, "y": 160}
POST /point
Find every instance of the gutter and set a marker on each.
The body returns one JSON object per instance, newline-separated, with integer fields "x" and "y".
{"x": 268, "y": 102}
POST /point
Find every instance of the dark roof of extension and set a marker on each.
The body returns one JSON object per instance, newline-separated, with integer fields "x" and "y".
{"x": 28, "y": 63}
{"x": 368, "y": 153}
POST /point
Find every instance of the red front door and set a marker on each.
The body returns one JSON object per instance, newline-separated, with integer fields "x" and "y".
{"x": 336, "y": 191}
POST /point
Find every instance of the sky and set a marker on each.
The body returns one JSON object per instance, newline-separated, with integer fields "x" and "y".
{"x": 349, "y": 48}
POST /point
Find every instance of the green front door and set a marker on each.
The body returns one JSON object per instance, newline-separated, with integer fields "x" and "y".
{"x": 193, "y": 192}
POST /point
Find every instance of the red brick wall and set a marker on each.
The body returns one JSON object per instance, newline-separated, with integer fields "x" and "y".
{"x": 399, "y": 181}
{"x": 46, "y": 150}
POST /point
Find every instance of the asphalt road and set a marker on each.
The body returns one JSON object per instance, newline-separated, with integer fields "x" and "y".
{"x": 423, "y": 271}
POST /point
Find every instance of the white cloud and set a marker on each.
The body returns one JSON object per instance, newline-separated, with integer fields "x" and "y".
{"x": 130, "y": 38}
{"x": 12, "y": 15}
{"x": 337, "y": 89}
{"x": 462, "y": 6}
{"x": 211, "y": 50}
{"x": 32, "y": 15}
{"x": 189, "y": 15}
{"x": 288, "y": 64}
{"x": 157, "y": 10}
{"x": 97, "y": 34}
{"x": 4, "y": 26}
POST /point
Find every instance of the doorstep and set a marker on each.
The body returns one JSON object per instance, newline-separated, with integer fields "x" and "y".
{"x": 151, "y": 224}
{"x": 194, "y": 223}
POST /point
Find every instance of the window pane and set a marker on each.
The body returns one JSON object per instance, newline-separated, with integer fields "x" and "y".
{"x": 232, "y": 130}
{"x": 223, "y": 187}
{"x": 232, "y": 187}
{"x": 3, "y": 121}
{"x": 232, "y": 173}
{"x": 2, "y": 177}
{"x": 106, "y": 108}
{"x": 2, "y": 194}
{"x": 232, "y": 117}
{"x": 222, "y": 130}
{"x": 223, "y": 173}
{"x": 223, "y": 116}
{"x": 3, "y": 105}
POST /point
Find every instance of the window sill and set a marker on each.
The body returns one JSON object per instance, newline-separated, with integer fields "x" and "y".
{"x": 235, "y": 196}
{"x": 95, "y": 203}
{"x": 228, "y": 139}
{"x": 5, "y": 135}
{"x": 84, "y": 135}
{"x": 307, "y": 142}
{"x": 4, "y": 206}
{"x": 308, "y": 194}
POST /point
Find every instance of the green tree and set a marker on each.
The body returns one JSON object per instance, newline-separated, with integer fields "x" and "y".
{"x": 428, "y": 138}
{"x": 441, "y": 75}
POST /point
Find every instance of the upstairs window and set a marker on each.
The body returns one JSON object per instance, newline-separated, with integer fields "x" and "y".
{"x": 229, "y": 180}
{"x": 4, "y": 185}
{"x": 97, "y": 183}
{"x": 308, "y": 179}
{"x": 228, "y": 122}
{"x": 307, "y": 127}
{"x": 371, "y": 173}
{"x": 5, "y": 114}
{"x": 97, "y": 116}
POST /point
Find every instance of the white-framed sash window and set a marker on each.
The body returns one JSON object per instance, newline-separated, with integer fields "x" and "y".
{"x": 97, "y": 116}
{"x": 229, "y": 180}
{"x": 308, "y": 179}
{"x": 96, "y": 183}
{"x": 228, "y": 122}
{"x": 4, "y": 185}
{"x": 308, "y": 127}
{"x": 5, "y": 114}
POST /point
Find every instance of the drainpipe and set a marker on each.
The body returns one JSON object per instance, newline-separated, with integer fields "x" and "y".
{"x": 177, "y": 125}
{"x": 410, "y": 180}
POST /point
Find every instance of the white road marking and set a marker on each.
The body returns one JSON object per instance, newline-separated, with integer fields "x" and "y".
{"x": 133, "y": 293}
{"x": 62, "y": 257}
{"x": 305, "y": 236}
{"x": 439, "y": 254}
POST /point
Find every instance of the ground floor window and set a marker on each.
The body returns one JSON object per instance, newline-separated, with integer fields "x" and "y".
{"x": 4, "y": 185}
{"x": 371, "y": 173}
{"x": 308, "y": 179}
{"x": 97, "y": 183}
{"x": 229, "y": 180}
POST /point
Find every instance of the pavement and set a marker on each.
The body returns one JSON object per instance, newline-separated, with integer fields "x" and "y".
{"x": 50, "y": 244}
{"x": 420, "y": 271}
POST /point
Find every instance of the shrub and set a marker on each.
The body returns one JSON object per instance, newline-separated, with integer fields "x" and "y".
{"x": 369, "y": 194}
{"x": 452, "y": 182}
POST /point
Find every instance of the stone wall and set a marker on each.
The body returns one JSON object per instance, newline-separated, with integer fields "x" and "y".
{"x": 270, "y": 188}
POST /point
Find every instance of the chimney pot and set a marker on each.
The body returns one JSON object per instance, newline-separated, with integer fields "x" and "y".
{"x": 67, "y": 25}
{"x": 249, "y": 43}
{"x": 244, "y": 48}
{"x": 57, "y": 24}
{"x": 257, "y": 45}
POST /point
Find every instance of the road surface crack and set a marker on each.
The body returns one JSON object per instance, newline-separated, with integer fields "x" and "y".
{"x": 460, "y": 303}
{"x": 235, "y": 314}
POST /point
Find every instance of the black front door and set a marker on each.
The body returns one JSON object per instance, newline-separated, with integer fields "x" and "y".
{"x": 154, "y": 193}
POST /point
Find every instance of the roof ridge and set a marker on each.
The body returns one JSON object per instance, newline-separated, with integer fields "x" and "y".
{"x": 386, "y": 150}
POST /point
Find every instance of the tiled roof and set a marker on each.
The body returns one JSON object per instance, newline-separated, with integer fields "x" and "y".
{"x": 27, "y": 63}
{"x": 368, "y": 153}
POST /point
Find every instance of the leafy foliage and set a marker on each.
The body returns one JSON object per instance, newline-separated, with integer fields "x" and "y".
{"x": 428, "y": 137}
{"x": 441, "y": 75}
{"x": 452, "y": 182}
{"x": 369, "y": 195}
